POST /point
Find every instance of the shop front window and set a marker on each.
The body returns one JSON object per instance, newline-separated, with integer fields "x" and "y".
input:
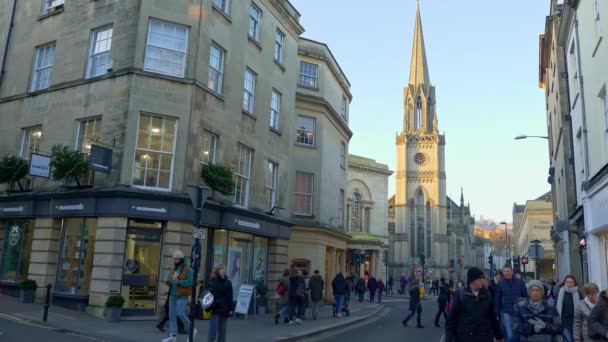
{"x": 16, "y": 249}
{"x": 76, "y": 256}
{"x": 239, "y": 259}
{"x": 141, "y": 267}
{"x": 260, "y": 259}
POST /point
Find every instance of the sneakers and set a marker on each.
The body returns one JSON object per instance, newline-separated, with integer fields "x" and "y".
{"x": 193, "y": 336}
{"x": 339, "y": 315}
{"x": 291, "y": 323}
{"x": 298, "y": 321}
{"x": 170, "y": 339}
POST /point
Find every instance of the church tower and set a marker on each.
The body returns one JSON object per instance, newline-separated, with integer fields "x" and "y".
{"x": 420, "y": 198}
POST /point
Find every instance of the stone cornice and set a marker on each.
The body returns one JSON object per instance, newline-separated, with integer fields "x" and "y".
{"x": 333, "y": 115}
{"x": 370, "y": 169}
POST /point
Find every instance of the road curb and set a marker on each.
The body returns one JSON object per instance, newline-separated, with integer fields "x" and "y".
{"x": 326, "y": 329}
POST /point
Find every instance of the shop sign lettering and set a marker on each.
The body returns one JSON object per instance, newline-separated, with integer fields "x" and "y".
{"x": 78, "y": 206}
{"x": 254, "y": 225}
{"x": 148, "y": 209}
{"x": 12, "y": 210}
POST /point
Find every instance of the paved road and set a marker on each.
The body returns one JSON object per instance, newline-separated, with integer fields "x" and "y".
{"x": 12, "y": 330}
{"x": 386, "y": 326}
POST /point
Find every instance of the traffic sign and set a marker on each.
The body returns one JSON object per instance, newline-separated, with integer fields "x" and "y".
{"x": 524, "y": 260}
{"x": 536, "y": 251}
{"x": 199, "y": 233}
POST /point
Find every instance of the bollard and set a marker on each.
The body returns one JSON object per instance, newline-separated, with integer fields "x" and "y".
{"x": 46, "y": 302}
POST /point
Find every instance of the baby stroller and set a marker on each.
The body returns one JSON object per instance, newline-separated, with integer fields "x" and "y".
{"x": 345, "y": 309}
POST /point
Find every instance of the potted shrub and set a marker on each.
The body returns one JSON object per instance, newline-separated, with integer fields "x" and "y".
{"x": 67, "y": 164}
{"x": 114, "y": 308}
{"x": 27, "y": 290}
{"x": 12, "y": 170}
{"x": 219, "y": 177}
{"x": 260, "y": 290}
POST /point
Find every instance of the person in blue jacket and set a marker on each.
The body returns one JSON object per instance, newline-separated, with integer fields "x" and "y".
{"x": 507, "y": 293}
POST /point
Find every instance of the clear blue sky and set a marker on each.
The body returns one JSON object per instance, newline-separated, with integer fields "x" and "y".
{"x": 483, "y": 61}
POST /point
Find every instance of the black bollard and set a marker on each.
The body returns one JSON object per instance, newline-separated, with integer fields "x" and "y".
{"x": 46, "y": 302}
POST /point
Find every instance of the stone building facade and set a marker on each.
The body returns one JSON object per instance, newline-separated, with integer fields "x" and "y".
{"x": 167, "y": 86}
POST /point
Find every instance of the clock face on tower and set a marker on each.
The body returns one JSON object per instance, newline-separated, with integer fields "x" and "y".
{"x": 420, "y": 158}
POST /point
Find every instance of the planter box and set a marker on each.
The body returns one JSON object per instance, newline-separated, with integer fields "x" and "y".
{"x": 113, "y": 314}
{"x": 27, "y": 296}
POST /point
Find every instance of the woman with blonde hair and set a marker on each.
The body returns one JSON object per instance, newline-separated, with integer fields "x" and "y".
{"x": 582, "y": 311}
{"x": 222, "y": 307}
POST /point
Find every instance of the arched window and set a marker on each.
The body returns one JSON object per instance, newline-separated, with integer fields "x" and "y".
{"x": 420, "y": 224}
{"x": 430, "y": 115}
{"x": 356, "y": 213}
{"x": 418, "y": 114}
{"x": 412, "y": 228}
{"x": 429, "y": 233}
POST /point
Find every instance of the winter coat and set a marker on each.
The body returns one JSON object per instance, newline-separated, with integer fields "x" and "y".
{"x": 315, "y": 286}
{"x": 568, "y": 305}
{"x": 523, "y": 331}
{"x": 339, "y": 286}
{"x": 581, "y": 316}
{"x": 472, "y": 318}
{"x": 301, "y": 290}
{"x": 361, "y": 285}
{"x": 372, "y": 283}
{"x": 284, "y": 299}
{"x": 444, "y": 293}
{"x": 508, "y": 292}
{"x": 184, "y": 277}
{"x": 221, "y": 289}
{"x": 596, "y": 323}
{"x": 294, "y": 283}
{"x": 380, "y": 286}
{"x": 415, "y": 299}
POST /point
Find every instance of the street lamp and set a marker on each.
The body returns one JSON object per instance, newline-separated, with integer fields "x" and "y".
{"x": 506, "y": 242}
{"x": 523, "y": 136}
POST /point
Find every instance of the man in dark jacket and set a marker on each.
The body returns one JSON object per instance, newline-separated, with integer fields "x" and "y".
{"x": 598, "y": 318}
{"x": 497, "y": 278}
{"x": 508, "y": 292}
{"x": 472, "y": 317}
{"x": 315, "y": 287}
{"x": 339, "y": 288}
{"x": 372, "y": 283}
{"x": 415, "y": 305}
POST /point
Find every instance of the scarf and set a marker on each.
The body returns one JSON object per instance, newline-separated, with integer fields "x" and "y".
{"x": 576, "y": 297}
{"x": 536, "y": 307}
{"x": 589, "y": 304}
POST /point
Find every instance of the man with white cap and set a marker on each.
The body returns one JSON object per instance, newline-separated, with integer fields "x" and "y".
{"x": 534, "y": 319}
{"x": 180, "y": 288}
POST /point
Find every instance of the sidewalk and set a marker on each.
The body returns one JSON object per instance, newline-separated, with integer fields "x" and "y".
{"x": 256, "y": 328}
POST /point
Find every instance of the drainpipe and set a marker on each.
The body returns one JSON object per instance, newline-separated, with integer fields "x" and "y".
{"x": 584, "y": 116}
{"x": 8, "y": 40}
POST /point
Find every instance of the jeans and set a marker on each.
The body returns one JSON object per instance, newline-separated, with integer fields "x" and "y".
{"x": 506, "y": 323}
{"x": 339, "y": 300}
{"x": 177, "y": 308}
{"x": 217, "y": 328}
{"x": 296, "y": 303}
{"x": 568, "y": 335}
{"x": 379, "y": 297}
{"x": 316, "y": 306}
{"x": 372, "y": 294}
{"x": 284, "y": 311}
{"x": 361, "y": 296}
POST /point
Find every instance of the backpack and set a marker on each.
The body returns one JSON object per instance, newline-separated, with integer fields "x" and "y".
{"x": 281, "y": 289}
{"x": 592, "y": 334}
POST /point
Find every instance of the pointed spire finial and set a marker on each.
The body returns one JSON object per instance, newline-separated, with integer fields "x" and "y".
{"x": 461, "y": 195}
{"x": 419, "y": 71}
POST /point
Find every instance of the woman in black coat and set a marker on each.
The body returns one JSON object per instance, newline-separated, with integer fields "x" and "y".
{"x": 442, "y": 300}
{"x": 223, "y": 304}
{"x": 415, "y": 305}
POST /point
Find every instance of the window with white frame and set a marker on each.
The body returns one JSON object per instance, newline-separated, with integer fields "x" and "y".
{"x": 596, "y": 15}
{"x": 249, "y": 92}
{"x": 209, "y": 148}
{"x": 305, "y": 134}
{"x": 279, "y": 42}
{"x": 30, "y": 141}
{"x": 344, "y": 107}
{"x": 43, "y": 66}
{"x": 341, "y": 208}
{"x": 89, "y": 131}
{"x": 356, "y": 213}
{"x": 275, "y": 109}
{"x": 272, "y": 170}
{"x": 50, "y": 4}
{"x": 343, "y": 154}
{"x": 308, "y": 75}
{"x": 166, "y": 48}
{"x": 99, "y": 55}
{"x": 216, "y": 68}
{"x": 303, "y": 193}
{"x": 224, "y": 5}
{"x": 242, "y": 176}
{"x": 154, "y": 152}
{"x": 255, "y": 14}
{"x": 574, "y": 69}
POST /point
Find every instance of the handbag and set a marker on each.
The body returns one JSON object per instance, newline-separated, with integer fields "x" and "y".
{"x": 206, "y": 299}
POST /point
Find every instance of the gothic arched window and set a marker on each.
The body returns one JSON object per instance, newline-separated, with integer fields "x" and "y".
{"x": 420, "y": 224}
{"x": 418, "y": 114}
{"x": 429, "y": 233}
{"x": 356, "y": 212}
{"x": 412, "y": 228}
{"x": 430, "y": 115}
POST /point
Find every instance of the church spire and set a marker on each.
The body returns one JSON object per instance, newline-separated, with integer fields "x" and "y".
{"x": 419, "y": 71}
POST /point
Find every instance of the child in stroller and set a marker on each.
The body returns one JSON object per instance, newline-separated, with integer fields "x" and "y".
{"x": 345, "y": 309}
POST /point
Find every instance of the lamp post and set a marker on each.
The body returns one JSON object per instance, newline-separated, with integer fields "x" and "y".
{"x": 507, "y": 249}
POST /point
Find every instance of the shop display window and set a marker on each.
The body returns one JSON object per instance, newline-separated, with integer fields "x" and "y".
{"x": 16, "y": 250}
{"x": 76, "y": 256}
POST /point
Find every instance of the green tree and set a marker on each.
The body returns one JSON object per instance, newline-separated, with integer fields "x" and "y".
{"x": 12, "y": 170}
{"x": 219, "y": 177}
{"x": 67, "y": 165}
